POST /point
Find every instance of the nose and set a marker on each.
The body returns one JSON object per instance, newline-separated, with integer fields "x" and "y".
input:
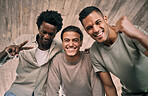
{"x": 70, "y": 43}
{"x": 47, "y": 36}
{"x": 96, "y": 28}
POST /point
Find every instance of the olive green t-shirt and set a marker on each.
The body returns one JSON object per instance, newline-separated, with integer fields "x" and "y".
{"x": 126, "y": 60}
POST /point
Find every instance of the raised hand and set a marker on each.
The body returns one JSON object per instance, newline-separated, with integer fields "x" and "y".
{"x": 125, "y": 25}
{"x": 15, "y": 49}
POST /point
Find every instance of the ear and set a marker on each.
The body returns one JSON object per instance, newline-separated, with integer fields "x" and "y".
{"x": 81, "y": 42}
{"x": 106, "y": 19}
{"x": 39, "y": 29}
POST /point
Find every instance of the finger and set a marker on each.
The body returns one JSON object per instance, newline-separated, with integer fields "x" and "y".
{"x": 117, "y": 28}
{"x": 17, "y": 49}
{"x": 26, "y": 48}
{"x": 22, "y": 44}
{"x": 118, "y": 25}
{"x": 17, "y": 55}
{"x": 12, "y": 51}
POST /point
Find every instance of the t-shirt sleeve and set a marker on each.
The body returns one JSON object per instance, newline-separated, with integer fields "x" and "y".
{"x": 94, "y": 56}
{"x": 53, "y": 82}
{"x": 96, "y": 84}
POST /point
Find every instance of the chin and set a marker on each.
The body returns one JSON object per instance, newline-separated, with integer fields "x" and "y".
{"x": 46, "y": 43}
{"x": 103, "y": 39}
{"x": 100, "y": 41}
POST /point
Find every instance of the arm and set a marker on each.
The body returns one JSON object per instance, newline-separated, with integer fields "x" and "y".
{"x": 3, "y": 57}
{"x": 108, "y": 84}
{"x": 11, "y": 51}
{"x": 146, "y": 53}
{"x": 3, "y": 54}
{"x": 96, "y": 84}
{"x": 124, "y": 25}
{"x": 53, "y": 82}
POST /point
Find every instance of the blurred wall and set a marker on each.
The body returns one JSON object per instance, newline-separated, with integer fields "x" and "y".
{"x": 19, "y": 17}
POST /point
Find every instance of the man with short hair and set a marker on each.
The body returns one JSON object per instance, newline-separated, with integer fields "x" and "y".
{"x": 34, "y": 60}
{"x": 72, "y": 69}
{"x": 121, "y": 50}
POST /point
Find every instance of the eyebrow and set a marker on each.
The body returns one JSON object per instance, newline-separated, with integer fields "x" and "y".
{"x": 87, "y": 27}
{"x": 97, "y": 20}
{"x": 72, "y": 39}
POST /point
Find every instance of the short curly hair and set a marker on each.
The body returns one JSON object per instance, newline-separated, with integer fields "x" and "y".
{"x": 51, "y": 17}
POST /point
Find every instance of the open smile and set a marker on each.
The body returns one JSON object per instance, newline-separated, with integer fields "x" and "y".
{"x": 99, "y": 34}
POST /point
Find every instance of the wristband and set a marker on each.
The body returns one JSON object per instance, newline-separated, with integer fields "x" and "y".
{"x": 8, "y": 54}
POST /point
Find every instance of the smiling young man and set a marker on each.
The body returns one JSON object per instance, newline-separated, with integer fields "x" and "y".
{"x": 34, "y": 60}
{"x": 72, "y": 69}
{"x": 122, "y": 50}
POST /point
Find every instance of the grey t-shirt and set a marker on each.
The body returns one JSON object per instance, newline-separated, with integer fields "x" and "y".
{"x": 77, "y": 79}
{"x": 126, "y": 60}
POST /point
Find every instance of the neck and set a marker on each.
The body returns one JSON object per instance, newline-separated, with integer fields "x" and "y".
{"x": 72, "y": 59}
{"x": 112, "y": 36}
{"x": 44, "y": 47}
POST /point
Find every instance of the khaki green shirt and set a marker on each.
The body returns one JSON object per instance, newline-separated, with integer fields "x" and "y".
{"x": 126, "y": 60}
{"x": 31, "y": 77}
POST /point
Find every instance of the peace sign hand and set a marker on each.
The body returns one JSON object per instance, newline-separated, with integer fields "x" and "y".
{"x": 14, "y": 50}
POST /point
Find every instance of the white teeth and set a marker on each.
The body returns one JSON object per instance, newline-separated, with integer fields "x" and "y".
{"x": 99, "y": 34}
{"x": 71, "y": 49}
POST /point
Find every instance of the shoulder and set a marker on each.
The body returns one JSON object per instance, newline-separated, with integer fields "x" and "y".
{"x": 57, "y": 46}
{"x": 86, "y": 61}
{"x": 94, "y": 47}
{"x": 86, "y": 55}
{"x": 58, "y": 57}
{"x": 57, "y": 60}
{"x": 57, "y": 43}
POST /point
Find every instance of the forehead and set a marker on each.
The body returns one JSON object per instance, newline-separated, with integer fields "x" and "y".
{"x": 71, "y": 35}
{"x": 91, "y": 18}
{"x": 48, "y": 27}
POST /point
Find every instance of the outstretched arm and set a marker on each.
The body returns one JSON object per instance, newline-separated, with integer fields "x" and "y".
{"x": 12, "y": 50}
{"x": 108, "y": 84}
{"x": 3, "y": 56}
{"x": 125, "y": 25}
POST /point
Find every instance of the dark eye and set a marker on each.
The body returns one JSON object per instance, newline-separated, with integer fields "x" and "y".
{"x": 44, "y": 32}
{"x": 98, "y": 22}
{"x": 76, "y": 40}
{"x": 89, "y": 28}
{"x": 66, "y": 40}
{"x": 51, "y": 34}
